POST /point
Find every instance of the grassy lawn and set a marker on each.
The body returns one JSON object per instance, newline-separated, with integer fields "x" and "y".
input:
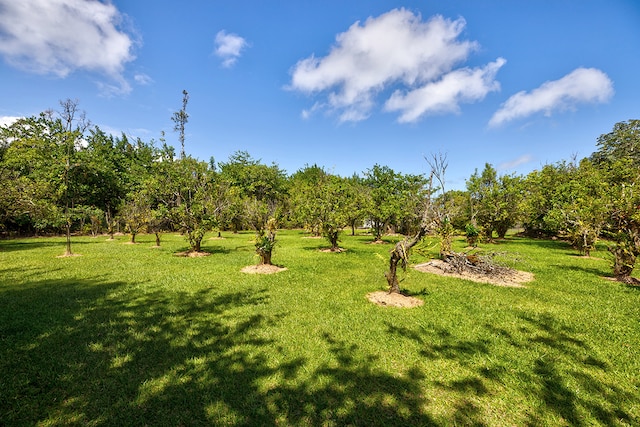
{"x": 130, "y": 335}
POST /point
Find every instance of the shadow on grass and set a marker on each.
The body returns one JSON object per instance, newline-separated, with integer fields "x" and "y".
{"x": 37, "y": 243}
{"x": 567, "y": 360}
{"x": 93, "y": 352}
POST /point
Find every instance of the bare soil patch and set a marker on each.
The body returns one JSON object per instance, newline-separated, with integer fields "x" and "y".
{"x": 377, "y": 242}
{"x": 385, "y": 299}
{"x": 192, "y": 254}
{"x": 514, "y": 278}
{"x": 336, "y": 251}
{"x": 262, "y": 269}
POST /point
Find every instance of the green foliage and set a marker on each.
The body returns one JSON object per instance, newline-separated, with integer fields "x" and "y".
{"x": 266, "y": 241}
{"x": 495, "y": 201}
{"x": 623, "y": 142}
{"x": 394, "y": 199}
{"x": 471, "y": 233}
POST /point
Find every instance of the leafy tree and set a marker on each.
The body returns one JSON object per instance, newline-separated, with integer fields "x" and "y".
{"x": 619, "y": 160}
{"x": 624, "y": 217}
{"x": 305, "y": 190}
{"x": 623, "y": 142}
{"x": 41, "y": 157}
{"x": 195, "y": 199}
{"x": 356, "y": 202}
{"x": 495, "y": 202}
{"x": 393, "y": 197}
{"x": 136, "y": 213}
{"x": 579, "y": 206}
{"x": 248, "y": 179}
{"x": 332, "y": 205}
{"x": 541, "y": 189}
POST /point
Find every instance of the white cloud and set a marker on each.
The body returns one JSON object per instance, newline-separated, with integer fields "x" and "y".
{"x": 445, "y": 95}
{"x": 8, "y": 120}
{"x": 229, "y": 47}
{"x": 143, "y": 79}
{"x": 583, "y": 85}
{"x": 512, "y": 164}
{"x": 61, "y": 36}
{"x": 394, "y": 48}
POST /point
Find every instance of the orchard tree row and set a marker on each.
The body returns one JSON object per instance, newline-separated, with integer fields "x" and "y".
{"x": 59, "y": 174}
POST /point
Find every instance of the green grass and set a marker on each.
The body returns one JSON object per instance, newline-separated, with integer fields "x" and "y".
{"x": 129, "y": 335}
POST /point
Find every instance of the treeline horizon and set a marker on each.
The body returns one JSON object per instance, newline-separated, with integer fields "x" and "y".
{"x": 60, "y": 174}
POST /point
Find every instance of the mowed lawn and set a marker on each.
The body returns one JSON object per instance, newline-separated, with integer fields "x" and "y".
{"x": 131, "y": 335}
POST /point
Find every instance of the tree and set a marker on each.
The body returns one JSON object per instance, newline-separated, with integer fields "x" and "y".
{"x": 393, "y": 197}
{"x": 195, "y": 199}
{"x": 618, "y": 158}
{"x": 332, "y": 205}
{"x": 305, "y": 190}
{"x": 248, "y": 179}
{"x": 41, "y": 157}
{"x": 356, "y": 202}
{"x": 180, "y": 118}
{"x": 495, "y": 201}
{"x": 260, "y": 214}
{"x": 72, "y": 138}
{"x": 623, "y": 142}
{"x": 579, "y": 205}
{"x": 432, "y": 216}
{"x": 136, "y": 213}
{"x": 623, "y": 191}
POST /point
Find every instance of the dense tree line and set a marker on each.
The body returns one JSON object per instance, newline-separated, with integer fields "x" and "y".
{"x": 61, "y": 175}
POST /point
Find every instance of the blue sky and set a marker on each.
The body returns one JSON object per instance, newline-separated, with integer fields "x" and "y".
{"x": 344, "y": 85}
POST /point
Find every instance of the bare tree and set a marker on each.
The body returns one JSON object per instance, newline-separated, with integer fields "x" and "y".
{"x": 180, "y": 118}
{"x": 432, "y": 218}
{"x": 69, "y": 110}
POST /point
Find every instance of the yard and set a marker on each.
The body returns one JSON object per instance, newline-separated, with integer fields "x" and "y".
{"x": 133, "y": 335}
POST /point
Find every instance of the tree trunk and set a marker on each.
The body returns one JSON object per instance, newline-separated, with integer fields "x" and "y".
{"x": 133, "y": 237}
{"x": 68, "y": 234}
{"x": 157, "y": 238}
{"x": 400, "y": 252}
{"x": 265, "y": 257}
{"x": 392, "y": 274}
{"x": 623, "y": 264}
{"x": 333, "y": 239}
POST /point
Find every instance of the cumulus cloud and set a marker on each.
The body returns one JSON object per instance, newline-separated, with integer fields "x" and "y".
{"x": 60, "y": 36}
{"x": 229, "y": 47}
{"x": 8, "y": 120}
{"x": 583, "y": 85}
{"x": 396, "y": 48}
{"x": 445, "y": 95}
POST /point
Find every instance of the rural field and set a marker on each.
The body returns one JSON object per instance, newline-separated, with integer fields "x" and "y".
{"x": 133, "y": 335}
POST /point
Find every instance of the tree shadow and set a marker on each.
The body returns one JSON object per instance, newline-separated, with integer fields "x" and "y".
{"x": 567, "y": 360}
{"x": 96, "y": 352}
{"x": 36, "y": 243}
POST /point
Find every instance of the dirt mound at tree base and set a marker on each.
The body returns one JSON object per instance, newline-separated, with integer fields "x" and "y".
{"x": 386, "y": 299}
{"x": 262, "y": 269}
{"x": 514, "y": 278}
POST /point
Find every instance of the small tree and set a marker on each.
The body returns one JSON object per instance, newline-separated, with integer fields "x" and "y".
{"x": 432, "y": 217}
{"x": 266, "y": 241}
{"x": 260, "y": 215}
{"x": 135, "y": 212}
